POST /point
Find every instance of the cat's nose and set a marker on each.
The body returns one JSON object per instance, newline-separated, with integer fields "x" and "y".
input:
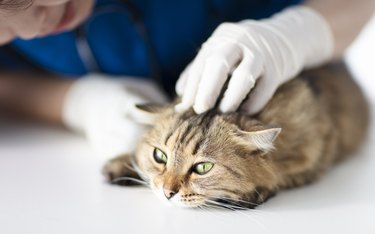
{"x": 169, "y": 193}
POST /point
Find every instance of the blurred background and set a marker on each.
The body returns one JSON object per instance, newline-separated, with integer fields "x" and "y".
{"x": 361, "y": 59}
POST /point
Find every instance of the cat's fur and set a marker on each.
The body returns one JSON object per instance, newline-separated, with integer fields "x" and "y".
{"x": 323, "y": 116}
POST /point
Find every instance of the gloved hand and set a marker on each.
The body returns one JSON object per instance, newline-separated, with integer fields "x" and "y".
{"x": 101, "y": 108}
{"x": 259, "y": 55}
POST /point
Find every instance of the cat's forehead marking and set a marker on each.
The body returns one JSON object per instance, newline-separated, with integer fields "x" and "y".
{"x": 195, "y": 132}
{"x": 180, "y": 125}
{"x": 168, "y": 136}
{"x": 198, "y": 144}
{"x": 175, "y": 133}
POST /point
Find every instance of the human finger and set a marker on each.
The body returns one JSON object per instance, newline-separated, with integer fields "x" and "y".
{"x": 241, "y": 82}
{"x": 215, "y": 73}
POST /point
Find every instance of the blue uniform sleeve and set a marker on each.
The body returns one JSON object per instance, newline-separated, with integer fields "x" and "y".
{"x": 134, "y": 39}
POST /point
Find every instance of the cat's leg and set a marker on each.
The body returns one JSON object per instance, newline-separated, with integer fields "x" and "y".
{"x": 121, "y": 171}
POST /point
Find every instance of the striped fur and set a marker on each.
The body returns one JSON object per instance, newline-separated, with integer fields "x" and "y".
{"x": 323, "y": 116}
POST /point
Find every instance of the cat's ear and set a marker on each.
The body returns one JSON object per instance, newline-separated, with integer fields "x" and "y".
{"x": 146, "y": 113}
{"x": 262, "y": 139}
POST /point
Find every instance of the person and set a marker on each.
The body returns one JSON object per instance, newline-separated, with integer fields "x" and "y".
{"x": 85, "y": 64}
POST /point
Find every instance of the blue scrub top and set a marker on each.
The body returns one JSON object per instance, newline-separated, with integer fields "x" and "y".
{"x": 145, "y": 38}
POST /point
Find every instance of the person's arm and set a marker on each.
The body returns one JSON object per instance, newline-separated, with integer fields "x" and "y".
{"x": 255, "y": 57}
{"x": 37, "y": 96}
{"x": 96, "y": 105}
{"x": 346, "y": 19}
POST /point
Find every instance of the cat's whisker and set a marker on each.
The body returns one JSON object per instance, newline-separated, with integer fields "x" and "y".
{"x": 203, "y": 208}
{"x": 214, "y": 203}
{"x": 239, "y": 200}
{"x": 220, "y": 207}
{"x": 235, "y": 200}
{"x": 243, "y": 201}
{"x": 259, "y": 195}
{"x": 227, "y": 198}
{"x": 235, "y": 207}
{"x": 129, "y": 179}
{"x": 231, "y": 199}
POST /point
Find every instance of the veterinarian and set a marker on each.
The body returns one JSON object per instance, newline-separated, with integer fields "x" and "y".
{"x": 84, "y": 64}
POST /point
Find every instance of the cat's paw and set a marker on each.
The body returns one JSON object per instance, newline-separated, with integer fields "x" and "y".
{"x": 120, "y": 171}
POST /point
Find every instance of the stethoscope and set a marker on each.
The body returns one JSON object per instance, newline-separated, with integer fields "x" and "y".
{"x": 135, "y": 16}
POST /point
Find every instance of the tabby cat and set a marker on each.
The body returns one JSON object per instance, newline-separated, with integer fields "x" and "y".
{"x": 215, "y": 159}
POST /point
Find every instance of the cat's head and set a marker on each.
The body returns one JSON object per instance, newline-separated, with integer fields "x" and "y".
{"x": 196, "y": 160}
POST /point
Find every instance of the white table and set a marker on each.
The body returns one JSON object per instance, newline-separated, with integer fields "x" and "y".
{"x": 50, "y": 183}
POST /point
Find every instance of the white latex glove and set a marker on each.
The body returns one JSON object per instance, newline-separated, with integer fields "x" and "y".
{"x": 101, "y": 108}
{"x": 267, "y": 53}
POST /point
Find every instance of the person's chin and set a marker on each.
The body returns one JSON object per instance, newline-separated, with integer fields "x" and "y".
{"x": 84, "y": 10}
{"x": 5, "y": 41}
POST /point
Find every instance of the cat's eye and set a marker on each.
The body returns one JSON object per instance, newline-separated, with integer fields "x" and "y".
{"x": 160, "y": 156}
{"x": 203, "y": 168}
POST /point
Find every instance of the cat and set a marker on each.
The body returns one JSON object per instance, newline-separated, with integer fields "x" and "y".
{"x": 235, "y": 160}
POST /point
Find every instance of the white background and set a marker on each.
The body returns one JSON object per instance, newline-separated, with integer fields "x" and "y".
{"x": 50, "y": 182}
